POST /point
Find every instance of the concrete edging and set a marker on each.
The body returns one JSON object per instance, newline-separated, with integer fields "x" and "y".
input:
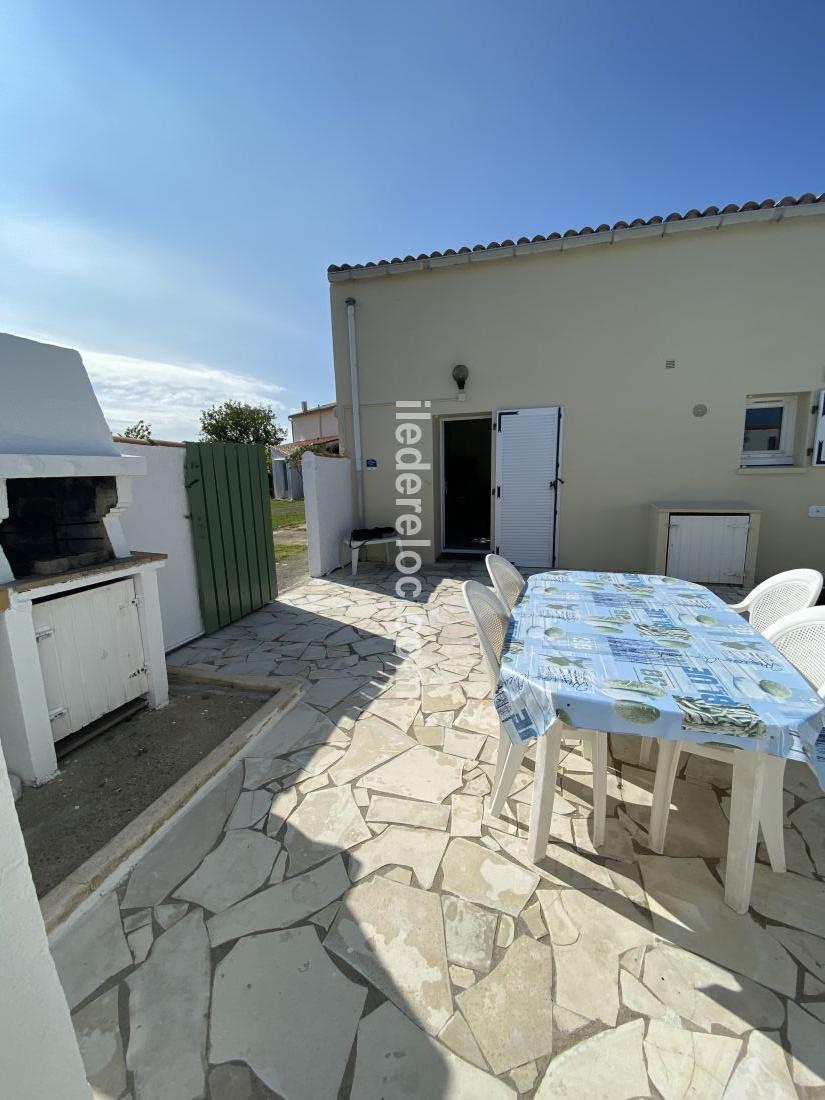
{"x": 61, "y": 901}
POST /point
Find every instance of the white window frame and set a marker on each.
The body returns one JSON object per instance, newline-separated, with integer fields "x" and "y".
{"x": 784, "y": 454}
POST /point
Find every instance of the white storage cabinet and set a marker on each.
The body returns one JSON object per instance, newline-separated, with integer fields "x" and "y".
{"x": 91, "y": 653}
{"x": 707, "y": 542}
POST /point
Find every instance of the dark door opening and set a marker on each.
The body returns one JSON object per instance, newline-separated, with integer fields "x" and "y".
{"x": 466, "y": 454}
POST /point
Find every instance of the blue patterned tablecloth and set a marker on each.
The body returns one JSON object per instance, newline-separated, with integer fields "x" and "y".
{"x": 657, "y": 656}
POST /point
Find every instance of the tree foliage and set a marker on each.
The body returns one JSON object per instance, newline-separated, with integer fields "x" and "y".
{"x": 297, "y": 453}
{"x": 139, "y": 430}
{"x": 237, "y": 422}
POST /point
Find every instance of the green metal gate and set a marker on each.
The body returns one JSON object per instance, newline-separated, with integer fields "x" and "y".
{"x": 228, "y": 490}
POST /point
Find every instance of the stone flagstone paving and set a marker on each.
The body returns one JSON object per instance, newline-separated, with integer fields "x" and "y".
{"x": 339, "y": 917}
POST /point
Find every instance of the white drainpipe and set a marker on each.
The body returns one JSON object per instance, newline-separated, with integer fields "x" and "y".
{"x": 356, "y": 413}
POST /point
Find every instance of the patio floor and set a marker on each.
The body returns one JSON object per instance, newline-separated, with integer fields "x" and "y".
{"x": 337, "y": 917}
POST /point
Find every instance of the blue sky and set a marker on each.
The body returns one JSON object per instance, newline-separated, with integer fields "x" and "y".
{"x": 176, "y": 176}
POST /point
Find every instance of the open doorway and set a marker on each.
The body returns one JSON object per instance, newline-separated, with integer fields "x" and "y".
{"x": 466, "y": 447}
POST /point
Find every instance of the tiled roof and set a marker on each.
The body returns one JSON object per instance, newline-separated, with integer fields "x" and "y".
{"x": 286, "y": 447}
{"x": 313, "y": 409}
{"x": 712, "y": 212}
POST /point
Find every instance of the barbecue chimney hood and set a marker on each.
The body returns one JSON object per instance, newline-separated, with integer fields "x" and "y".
{"x": 52, "y": 428}
{"x": 50, "y": 422}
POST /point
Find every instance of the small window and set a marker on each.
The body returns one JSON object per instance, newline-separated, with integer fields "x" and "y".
{"x": 768, "y": 438}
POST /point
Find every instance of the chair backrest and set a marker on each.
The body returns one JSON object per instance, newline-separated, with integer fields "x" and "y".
{"x": 507, "y": 581}
{"x": 782, "y": 595}
{"x": 490, "y": 619}
{"x": 801, "y": 638}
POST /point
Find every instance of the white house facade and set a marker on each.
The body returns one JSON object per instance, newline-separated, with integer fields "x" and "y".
{"x": 564, "y": 386}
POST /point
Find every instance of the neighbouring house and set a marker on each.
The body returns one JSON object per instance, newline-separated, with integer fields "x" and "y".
{"x": 575, "y": 389}
{"x": 316, "y": 428}
{"x": 316, "y": 425}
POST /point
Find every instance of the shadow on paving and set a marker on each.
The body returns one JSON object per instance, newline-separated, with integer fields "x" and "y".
{"x": 280, "y": 993}
{"x": 250, "y": 955}
{"x": 253, "y": 978}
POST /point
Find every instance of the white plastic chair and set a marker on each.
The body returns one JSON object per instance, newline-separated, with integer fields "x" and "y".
{"x": 507, "y": 581}
{"x": 770, "y": 601}
{"x": 780, "y": 595}
{"x": 491, "y": 620}
{"x": 801, "y": 638}
{"x": 756, "y": 793}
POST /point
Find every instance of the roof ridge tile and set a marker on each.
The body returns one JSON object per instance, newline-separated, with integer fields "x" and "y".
{"x": 709, "y": 212}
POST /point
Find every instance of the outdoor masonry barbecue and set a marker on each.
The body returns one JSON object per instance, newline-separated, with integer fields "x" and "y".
{"x": 54, "y": 524}
{"x": 80, "y": 628}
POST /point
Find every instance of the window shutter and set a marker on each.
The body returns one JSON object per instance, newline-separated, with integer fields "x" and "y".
{"x": 527, "y": 470}
{"x": 819, "y": 438}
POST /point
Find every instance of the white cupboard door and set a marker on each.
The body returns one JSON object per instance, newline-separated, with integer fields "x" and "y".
{"x": 528, "y": 446}
{"x": 708, "y": 549}
{"x": 91, "y": 654}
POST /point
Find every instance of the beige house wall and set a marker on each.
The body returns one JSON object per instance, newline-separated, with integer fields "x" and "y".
{"x": 314, "y": 424}
{"x": 741, "y": 310}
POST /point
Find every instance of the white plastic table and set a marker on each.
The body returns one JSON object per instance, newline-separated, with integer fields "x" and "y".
{"x": 354, "y": 546}
{"x": 630, "y": 653}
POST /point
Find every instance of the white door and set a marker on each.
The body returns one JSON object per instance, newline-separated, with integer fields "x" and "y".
{"x": 528, "y": 449}
{"x": 709, "y": 549}
{"x": 91, "y": 654}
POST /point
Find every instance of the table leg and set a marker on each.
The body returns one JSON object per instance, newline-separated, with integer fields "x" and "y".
{"x": 355, "y": 550}
{"x": 544, "y": 790}
{"x": 745, "y": 802}
{"x": 598, "y": 742}
{"x": 666, "y": 765}
{"x": 771, "y": 813}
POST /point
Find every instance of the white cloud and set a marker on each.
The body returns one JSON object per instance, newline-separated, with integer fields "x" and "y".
{"x": 170, "y": 396}
{"x": 120, "y": 272}
{"x": 118, "y": 267}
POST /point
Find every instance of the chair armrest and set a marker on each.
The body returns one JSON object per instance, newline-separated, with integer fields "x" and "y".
{"x": 742, "y": 607}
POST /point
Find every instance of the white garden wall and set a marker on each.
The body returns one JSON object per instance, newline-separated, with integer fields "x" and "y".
{"x": 39, "y": 1056}
{"x": 328, "y": 501}
{"x": 158, "y": 520}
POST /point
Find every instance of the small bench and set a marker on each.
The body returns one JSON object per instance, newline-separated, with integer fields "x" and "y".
{"x": 354, "y": 547}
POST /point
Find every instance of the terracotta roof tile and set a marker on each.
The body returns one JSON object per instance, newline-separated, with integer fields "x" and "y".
{"x": 308, "y": 442}
{"x": 318, "y": 408}
{"x": 709, "y": 212}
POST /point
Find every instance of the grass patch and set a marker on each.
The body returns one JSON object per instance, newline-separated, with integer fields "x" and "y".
{"x": 287, "y": 513}
{"x": 287, "y": 551}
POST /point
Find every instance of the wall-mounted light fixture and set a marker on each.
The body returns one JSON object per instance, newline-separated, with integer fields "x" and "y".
{"x": 460, "y": 375}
